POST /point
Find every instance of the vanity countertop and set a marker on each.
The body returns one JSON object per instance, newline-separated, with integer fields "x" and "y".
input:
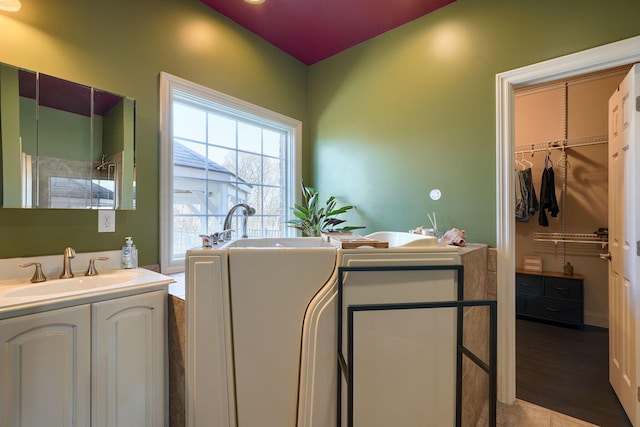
{"x": 20, "y": 297}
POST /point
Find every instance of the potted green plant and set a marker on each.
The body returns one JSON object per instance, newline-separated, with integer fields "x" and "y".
{"x": 313, "y": 219}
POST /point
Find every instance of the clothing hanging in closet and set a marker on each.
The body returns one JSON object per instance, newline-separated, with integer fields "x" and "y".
{"x": 548, "y": 193}
{"x": 526, "y": 200}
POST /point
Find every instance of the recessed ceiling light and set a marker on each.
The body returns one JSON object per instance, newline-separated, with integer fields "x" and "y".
{"x": 250, "y": 1}
{"x": 10, "y": 5}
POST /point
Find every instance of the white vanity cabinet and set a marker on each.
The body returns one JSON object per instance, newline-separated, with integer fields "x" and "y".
{"x": 97, "y": 364}
{"x": 129, "y": 353}
{"x": 45, "y": 368}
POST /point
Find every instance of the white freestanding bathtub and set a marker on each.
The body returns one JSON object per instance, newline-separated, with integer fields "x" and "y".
{"x": 262, "y": 335}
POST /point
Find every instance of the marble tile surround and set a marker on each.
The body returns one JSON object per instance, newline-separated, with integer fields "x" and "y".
{"x": 177, "y": 330}
{"x": 492, "y": 273}
{"x": 475, "y": 381}
{"x": 177, "y": 351}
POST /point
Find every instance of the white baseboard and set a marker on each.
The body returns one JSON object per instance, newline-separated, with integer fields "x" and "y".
{"x": 596, "y": 319}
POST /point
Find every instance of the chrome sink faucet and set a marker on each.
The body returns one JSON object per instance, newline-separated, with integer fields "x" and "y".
{"x": 38, "y": 275}
{"x": 69, "y": 253}
{"x": 92, "y": 271}
{"x": 247, "y": 212}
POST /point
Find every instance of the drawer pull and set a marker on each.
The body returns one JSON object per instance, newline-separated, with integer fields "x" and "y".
{"x": 567, "y": 290}
{"x": 552, "y": 309}
{"x": 524, "y": 284}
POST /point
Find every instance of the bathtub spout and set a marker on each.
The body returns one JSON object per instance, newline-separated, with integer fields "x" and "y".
{"x": 246, "y": 212}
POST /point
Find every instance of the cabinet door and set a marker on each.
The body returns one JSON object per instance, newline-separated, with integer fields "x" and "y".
{"x": 45, "y": 368}
{"x": 129, "y": 348}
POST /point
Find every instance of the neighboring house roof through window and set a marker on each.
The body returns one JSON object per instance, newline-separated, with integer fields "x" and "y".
{"x": 183, "y": 156}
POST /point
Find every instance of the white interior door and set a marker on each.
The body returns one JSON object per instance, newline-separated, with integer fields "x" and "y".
{"x": 624, "y": 245}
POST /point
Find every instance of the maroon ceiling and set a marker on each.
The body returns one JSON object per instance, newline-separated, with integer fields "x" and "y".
{"x": 312, "y": 30}
{"x": 64, "y": 95}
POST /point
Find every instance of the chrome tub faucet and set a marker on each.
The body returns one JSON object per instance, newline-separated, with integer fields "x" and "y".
{"x": 247, "y": 212}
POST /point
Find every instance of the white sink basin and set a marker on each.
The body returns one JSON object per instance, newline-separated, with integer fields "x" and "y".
{"x": 400, "y": 239}
{"x": 74, "y": 284}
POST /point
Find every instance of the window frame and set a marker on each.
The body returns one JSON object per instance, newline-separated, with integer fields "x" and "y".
{"x": 242, "y": 109}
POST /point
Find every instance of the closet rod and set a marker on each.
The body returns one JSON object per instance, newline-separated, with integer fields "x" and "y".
{"x": 571, "y": 238}
{"x": 556, "y": 241}
{"x": 561, "y": 144}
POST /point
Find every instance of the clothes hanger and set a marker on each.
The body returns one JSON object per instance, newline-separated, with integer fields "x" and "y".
{"x": 518, "y": 163}
{"x": 563, "y": 161}
{"x": 548, "y": 160}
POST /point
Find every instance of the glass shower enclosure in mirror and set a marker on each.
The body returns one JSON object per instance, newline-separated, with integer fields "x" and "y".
{"x": 64, "y": 144}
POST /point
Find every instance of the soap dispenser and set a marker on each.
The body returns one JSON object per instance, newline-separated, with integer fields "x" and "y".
{"x": 129, "y": 254}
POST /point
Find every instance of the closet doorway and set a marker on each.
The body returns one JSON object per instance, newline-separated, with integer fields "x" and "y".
{"x": 561, "y": 171}
{"x": 614, "y": 54}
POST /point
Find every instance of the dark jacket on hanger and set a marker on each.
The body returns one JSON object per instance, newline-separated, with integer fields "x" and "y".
{"x": 526, "y": 200}
{"x": 522, "y": 198}
{"x": 548, "y": 195}
{"x": 532, "y": 199}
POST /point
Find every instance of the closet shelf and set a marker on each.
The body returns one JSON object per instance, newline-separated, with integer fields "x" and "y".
{"x": 562, "y": 144}
{"x": 570, "y": 238}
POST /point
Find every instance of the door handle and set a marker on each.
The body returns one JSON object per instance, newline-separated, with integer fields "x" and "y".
{"x": 605, "y": 257}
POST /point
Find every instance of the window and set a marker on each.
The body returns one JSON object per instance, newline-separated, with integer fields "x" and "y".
{"x": 218, "y": 151}
{"x": 80, "y": 193}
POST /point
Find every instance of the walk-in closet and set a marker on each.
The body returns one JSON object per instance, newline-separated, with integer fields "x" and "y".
{"x": 561, "y": 179}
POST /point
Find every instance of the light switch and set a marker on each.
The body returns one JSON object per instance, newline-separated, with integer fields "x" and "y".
{"x": 106, "y": 221}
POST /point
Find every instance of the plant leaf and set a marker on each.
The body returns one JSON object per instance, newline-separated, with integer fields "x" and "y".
{"x": 352, "y": 227}
{"x": 312, "y": 219}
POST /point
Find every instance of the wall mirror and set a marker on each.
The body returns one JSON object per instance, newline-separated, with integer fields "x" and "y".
{"x": 63, "y": 144}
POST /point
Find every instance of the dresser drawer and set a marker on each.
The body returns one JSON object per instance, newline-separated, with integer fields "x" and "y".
{"x": 554, "y": 309}
{"x": 568, "y": 289}
{"x": 529, "y": 284}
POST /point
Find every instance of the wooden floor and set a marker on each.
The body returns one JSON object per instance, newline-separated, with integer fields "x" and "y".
{"x": 565, "y": 369}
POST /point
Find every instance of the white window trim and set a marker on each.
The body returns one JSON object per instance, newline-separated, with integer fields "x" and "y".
{"x": 168, "y": 83}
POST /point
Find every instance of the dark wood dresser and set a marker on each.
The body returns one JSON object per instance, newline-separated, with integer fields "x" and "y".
{"x": 550, "y": 296}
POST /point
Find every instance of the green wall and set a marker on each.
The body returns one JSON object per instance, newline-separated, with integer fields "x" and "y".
{"x": 384, "y": 122}
{"x": 63, "y": 135}
{"x": 122, "y": 46}
{"x": 414, "y": 109}
{"x": 10, "y": 157}
{"x": 28, "y": 128}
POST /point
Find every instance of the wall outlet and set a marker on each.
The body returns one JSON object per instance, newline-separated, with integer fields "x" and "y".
{"x": 106, "y": 221}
